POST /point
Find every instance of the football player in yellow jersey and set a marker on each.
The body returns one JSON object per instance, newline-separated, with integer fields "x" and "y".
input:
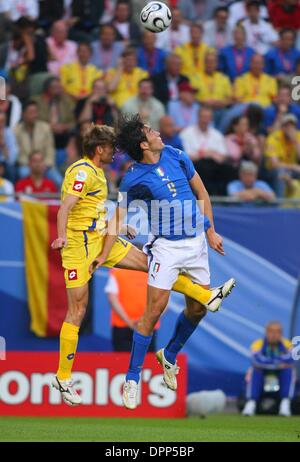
{"x": 81, "y": 229}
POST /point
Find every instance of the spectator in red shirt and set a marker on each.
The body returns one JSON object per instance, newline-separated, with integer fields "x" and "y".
{"x": 36, "y": 182}
{"x": 284, "y": 13}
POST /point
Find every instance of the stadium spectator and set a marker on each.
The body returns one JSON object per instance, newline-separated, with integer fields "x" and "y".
{"x": 15, "y": 9}
{"x": 207, "y": 148}
{"x": 108, "y": 11}
{"x": 34, "y": 135}
{"x": 98, "y": 107}
{"x": 51, "y": 11}
{"x": 238, "y": 11}
{"x": 282, "y": 105}
{"x": 61, "y": 51}
{"x": 281, "y": 60}
{"x": 8, "y": 148}
{"x": 188, "y": 9}
{"x": 12, "y": 107}
{"x": 149, "y": 108}
{"x": 254, "y": 87}
{"x": 270, "y": 355}
{"x": 166, "y": 84}
{"x": 260, "y": 34}
{"x": 284, "y": 13}
{"x": 168, "y": 132}
{"x": 217, "y": 33}
{"x": 234, "y": 60}
{"x": 241, "y": 143}
{"x": 6, "y": 186}
{"x": 127, "y": 29}
{"x": 177, "y": 33}
{"x": 149, "y": 57}
{"x": 106, "y": 51}
{"x": 16, "y": 55}
{"x": 77, "y": 78}
{"x": 57, "y": 108}
{"x": 248, "y": 188}
{"x": 292, "y": 187}
{"x": 283, "y": 152}
{"x": 193, "y": 52}
{"x": 84, "y": 17}
{"x": 36, "y": 182}
{"x": 214, "y": 88}
{"x": 184, "y": 112}
{"x": 74, "y": 148}
{"x": 32, "y": 38}
{"x": 127, "y": 295}
{"x": 123, "y": 81}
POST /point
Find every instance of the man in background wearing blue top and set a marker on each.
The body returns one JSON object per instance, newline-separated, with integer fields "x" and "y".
{"x": 271, "y": 355}
{"x": 163, "y": 181}
{"x": 248, "y": 188}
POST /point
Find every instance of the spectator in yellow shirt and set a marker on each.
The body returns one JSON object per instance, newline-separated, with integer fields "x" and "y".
{"x": 254, "y": 87}
{"x": 193, "y": 53}
{"x": 283, "y": 153}
{"x": 123, "y": 81}
{"x": 78, "y": 77}
{"x": 214, "y": 88}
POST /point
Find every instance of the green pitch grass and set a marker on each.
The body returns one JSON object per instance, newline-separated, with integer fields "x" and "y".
{"x": 213, "y": 428}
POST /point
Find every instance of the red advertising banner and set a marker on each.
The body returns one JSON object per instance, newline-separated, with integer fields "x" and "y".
{"x": 99, "y": 377}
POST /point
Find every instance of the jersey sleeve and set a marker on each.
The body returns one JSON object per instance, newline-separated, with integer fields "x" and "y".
{"x": 186, "y": 164}
{"x": 79, "y": 181}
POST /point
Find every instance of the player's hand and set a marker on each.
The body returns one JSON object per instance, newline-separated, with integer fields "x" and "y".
{"x": 129, "y": 231}
{"x": 99, "y": 261}
{"x": 59, "y": 243}
{"x": 215, "y": 241}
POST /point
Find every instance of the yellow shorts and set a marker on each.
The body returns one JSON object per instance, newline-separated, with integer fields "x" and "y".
{"x": 83, "y": 247}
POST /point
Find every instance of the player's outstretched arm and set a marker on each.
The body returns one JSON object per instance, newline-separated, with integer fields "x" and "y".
{"x": 214, "y": 239}
{"x": 114, "y": 228}
{"x": 62, "y": 220}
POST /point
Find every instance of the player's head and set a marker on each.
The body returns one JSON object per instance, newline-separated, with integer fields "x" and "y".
{"x": 99, "y": 141}
{"x": 135, "y": 138}
{"x": 273, "y": 332}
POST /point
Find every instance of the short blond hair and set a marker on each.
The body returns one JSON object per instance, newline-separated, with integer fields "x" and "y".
{"x": 97, "y": 135}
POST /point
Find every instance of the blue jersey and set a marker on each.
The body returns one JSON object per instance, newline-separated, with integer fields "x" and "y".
{"x": 163, "y": 190}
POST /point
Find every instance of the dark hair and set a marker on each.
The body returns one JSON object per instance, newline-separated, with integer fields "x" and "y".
{"x": 220, "y": 8}
{"x": 97, "y": 135}
{"x": 235, "y": 121}
{"x": 128, "y": 52}
{"x": 130, "y": 135}
{"x": 107, "y": 25}
{"x": 285, "y": 30}
{"x": 85, "y": 44}
{"x": 253, "y": 3}
{"x": 27, "y": 104}
{"x": 48, "y": 83}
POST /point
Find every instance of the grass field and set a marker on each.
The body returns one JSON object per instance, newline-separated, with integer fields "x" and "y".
{"x": 211, "y": 429}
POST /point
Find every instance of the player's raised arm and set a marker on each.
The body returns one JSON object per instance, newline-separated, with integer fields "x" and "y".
{"x": 214, "y": 239}
{"x": 62, "y": 219}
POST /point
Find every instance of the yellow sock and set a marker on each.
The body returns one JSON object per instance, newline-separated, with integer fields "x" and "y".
{"x": 67, "y": 348}
{"x": 185, "y": 286}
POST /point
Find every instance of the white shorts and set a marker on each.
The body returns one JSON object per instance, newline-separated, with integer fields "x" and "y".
{"x": 167, "y": 259}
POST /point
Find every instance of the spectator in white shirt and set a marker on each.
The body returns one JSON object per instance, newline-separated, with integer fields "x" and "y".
{"x": 177, "y": 34}
{"x": 15, "y": 9}
{"x": 238, "y": 11}
{"x": 207, "y": 148}
{"x": 217, "y": 33}
{"x": 261, "y": 35}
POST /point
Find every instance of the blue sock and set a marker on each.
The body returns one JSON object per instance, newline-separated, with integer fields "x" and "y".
{"x": 183, "y": 330}
{"x": 140, "y": 345}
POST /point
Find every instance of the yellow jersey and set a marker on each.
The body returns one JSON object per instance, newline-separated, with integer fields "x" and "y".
{"x": 127, "y": 86}
{"x": 277, "y": 145}
{"x": 192, "y": 58}
{"x": 250, "y": 89}
{"x": 86, "y": 181}
{"x": 77, "y": 80}
{"x": 216, "y": 86}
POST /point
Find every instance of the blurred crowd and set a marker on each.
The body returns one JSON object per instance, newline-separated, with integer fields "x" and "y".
{"x": 220, "y": 83}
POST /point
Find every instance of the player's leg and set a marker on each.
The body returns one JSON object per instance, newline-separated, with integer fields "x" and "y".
{"x": 135, "y": 259}
{"x": 287, "y": 388}
{"x": 186, "y": 324}
{"x": 157, "y": 300}
{"x": 68, "y": 340}
{"x": 254, "y": 389}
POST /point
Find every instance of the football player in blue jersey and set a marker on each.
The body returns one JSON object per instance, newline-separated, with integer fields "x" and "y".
{"x": 163, "y": 181}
